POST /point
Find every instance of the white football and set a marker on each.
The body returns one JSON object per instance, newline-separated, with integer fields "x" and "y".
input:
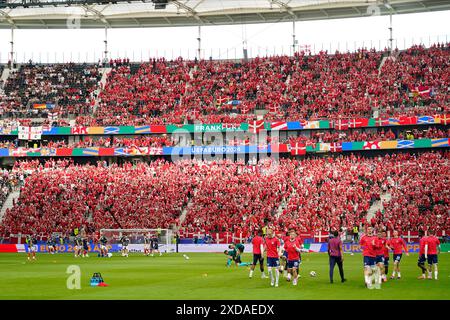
{"x": 186, "y": 257}
{"x": 109, "y": 254}
{"x": 312, "y": 274}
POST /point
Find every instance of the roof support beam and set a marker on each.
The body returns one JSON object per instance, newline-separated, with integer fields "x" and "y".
{"x": 97, "y": 14}
{"x": 283, "y": 5}
{"x": 261, "y": 16}
{"x": 191, "y": 12}
{"x": 357, "y": 10}
{"x": 230, "y": 18}
{"x": 7, "y": 17}
{"x": 137, "y": 21}
{"x": 324, "y": 13}
{"x": 167, "y": 20}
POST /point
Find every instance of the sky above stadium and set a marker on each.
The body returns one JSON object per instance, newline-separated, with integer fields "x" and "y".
{"x": 225, "y": 42}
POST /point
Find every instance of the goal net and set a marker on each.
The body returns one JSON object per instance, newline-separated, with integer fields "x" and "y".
{"x": 166, "y": 240}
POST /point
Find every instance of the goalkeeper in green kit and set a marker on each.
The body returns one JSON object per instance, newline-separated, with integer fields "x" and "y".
{"x": 234, "y": 254}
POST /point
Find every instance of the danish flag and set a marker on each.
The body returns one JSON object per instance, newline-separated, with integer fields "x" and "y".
{"x": 274, "y": 108}
{"x": 222, "y": 100}
{"x": 298, "y": 148}
{"x": 445, "y": 118}
{"x": 336, "y": 147}
{"x": 380, "y": 122}
{"x": 245, "y": 109}
{"x": 341, "y": 124}
{"x": 256, "y": 126}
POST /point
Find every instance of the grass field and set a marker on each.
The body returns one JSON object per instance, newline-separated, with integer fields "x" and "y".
{"x": 204, "y": 277}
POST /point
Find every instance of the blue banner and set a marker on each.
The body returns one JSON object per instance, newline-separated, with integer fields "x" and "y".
{"x": 68, "y": 248}
{"x": 208, "y": 150}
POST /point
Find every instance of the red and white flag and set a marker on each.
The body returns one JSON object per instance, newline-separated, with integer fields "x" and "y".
{"x": 30, "y": 133}
{"x": 274, "y": 108}
{"x": 256, "y": 126}
{"x": 53, "y": 116}
{"x": 371, "y": 145}
{"x": 278, "y": 125}
{"x": 423, "y": 91}
{"x": 298, "y": 148}
{"x": 336, "y": 147}
{"x": 78, "y": 130}
{"x": 358, "y": 123}
{"x": 244, "y": 109}
{"x": 444, "y": 118}
{"x": 222, "y": 100}
{"x": 380, "y": 122}
{"x": 341, "y": 124}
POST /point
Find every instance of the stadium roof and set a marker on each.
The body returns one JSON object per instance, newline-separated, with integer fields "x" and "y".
{"x": 51, "y": 14}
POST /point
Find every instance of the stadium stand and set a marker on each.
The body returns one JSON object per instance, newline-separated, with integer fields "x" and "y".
{"x": 311, "y": 193}
{"x": 70, "y": 88}
{"x": 320, "y": 194}
{"x": 339, "y": 85}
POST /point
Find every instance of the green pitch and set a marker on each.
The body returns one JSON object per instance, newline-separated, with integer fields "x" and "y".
{"x": 204, "y": 276}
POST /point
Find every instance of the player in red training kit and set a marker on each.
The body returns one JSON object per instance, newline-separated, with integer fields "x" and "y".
{"x": 273, "y": 246}
{"x": 258, "y": 250}
{"x": 369, "y": 246}
{"x": 293, "y": 246}
{"x": 398, "y": 245}
{"x": 381, "y": 245}
{"x": 284, "y": 258}
{"x": 422, "y": 259}
{"x": 432, "y": 249}
{"x": 386, "y": 255}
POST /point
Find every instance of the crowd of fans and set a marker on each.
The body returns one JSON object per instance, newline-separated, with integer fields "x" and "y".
{"x": 221, "y": 195}
{"x": 314, "y": 193}
{"x": 303, "y": 86}
{"x": 9, "y": 181}
{"x": 289, "y": 88}
{"x": 70, "y": 88}
{"x": 414, "y": 68}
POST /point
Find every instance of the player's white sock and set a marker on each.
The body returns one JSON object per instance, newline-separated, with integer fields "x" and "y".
{"x": 263, "y": 275}
{"x": 399, "y": 275}
{"x": 436, "y": 275}
{"x": 289, "y": 276}
{"x": 277, "y": 277}
{"x": 251, "y": 274}
{"x": 377, "y": 278}
{"x": 370, "y": 284}
{"x": 271, "y": 276}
